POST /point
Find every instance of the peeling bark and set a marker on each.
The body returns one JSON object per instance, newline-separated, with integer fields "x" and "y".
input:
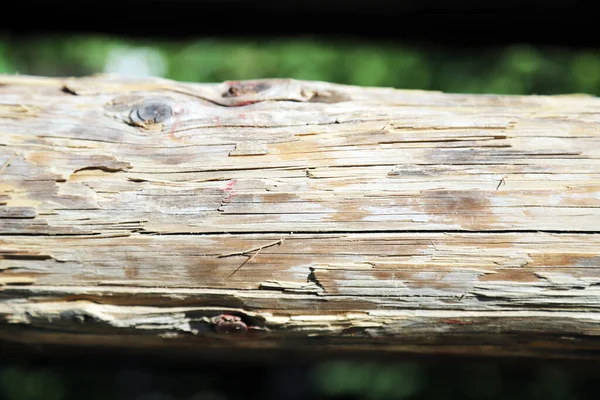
{"x": 285, "y": 214}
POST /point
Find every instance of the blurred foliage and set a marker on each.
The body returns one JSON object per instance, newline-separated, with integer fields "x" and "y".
{"x": 332, "y": 380}
{"x": 459, "y": 381}
{"x": 517, "y": 69}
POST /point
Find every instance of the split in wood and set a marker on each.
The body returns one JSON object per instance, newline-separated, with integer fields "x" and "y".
{"x": 502, "y": 182}
{"x": 7, "y": 163}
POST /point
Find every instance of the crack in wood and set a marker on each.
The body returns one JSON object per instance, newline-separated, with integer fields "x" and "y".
{"x": 312, "y": 277}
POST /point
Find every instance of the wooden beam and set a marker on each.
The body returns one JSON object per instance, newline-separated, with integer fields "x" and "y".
{"x": 284, "y": 214}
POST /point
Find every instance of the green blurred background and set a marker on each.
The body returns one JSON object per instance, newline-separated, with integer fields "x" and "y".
{"x": 515, "y": 69}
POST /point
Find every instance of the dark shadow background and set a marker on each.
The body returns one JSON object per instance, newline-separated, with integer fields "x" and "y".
{"x": 55, "y": 374}
{"x": 510, "y": 47}
{"x": 454, "y": 23}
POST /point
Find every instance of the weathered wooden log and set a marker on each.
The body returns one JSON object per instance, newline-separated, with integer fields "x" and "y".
{"x": 284, "y": 214}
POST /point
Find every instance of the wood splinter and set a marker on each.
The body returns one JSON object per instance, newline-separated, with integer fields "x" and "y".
{"x": 254, "y": 250}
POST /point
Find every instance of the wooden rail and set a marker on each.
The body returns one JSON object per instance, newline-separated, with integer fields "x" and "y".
{"x": 284, "y": 214}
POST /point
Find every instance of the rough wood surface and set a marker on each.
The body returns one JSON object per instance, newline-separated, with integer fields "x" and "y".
{"x": 290, "y": 214}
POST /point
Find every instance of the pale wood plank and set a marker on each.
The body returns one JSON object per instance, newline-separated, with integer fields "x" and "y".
{"x": 364, "y": 218}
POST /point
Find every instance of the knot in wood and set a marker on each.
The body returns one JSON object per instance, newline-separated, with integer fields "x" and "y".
{"x": 229, "y": 325}
{"x": 241, "y": 88}
{"x": 152, "y": 111}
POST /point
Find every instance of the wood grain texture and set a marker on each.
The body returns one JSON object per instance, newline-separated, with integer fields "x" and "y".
{"x": 321, "y": 215}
